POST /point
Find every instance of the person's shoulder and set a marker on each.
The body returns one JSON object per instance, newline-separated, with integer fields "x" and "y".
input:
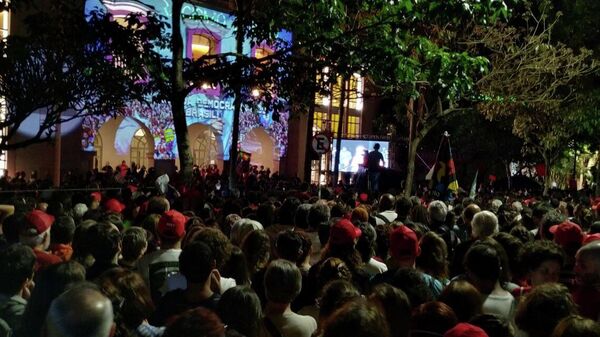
{"x": 162, "y": 255}
{"x": 306, "y": 322}
{"x": 378, "y": 264}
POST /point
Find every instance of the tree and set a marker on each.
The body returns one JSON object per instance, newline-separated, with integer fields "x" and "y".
{"x": 69, "y": 66}
{"x": 427, "y": 71}
{"x": 532, "y": 80}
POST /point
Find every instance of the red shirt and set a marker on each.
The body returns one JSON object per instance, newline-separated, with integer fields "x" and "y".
{"x": 61, "y": 250}
{"x": 44, "y": 259}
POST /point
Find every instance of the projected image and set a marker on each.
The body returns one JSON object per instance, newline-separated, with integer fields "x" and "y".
{"x": 354, "y": 152}
{"x": 209, "y": 31}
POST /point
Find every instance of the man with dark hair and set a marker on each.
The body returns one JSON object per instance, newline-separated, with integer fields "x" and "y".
{"x": 16, "y": 280}
{"x": 158, "y": 205}
{"x": 386, "y": 214}
{"x": 374, "y": 162}
{"x": 551, "y": 218}
{"x": 538, "y": 212}
{"x": 366, "y": 247}
{"x": 318, "y": 219}
{"x": 198, "y": 266}
{"x": 105, "y": 247}
{"x": 403, "y": 207}
{"x": 157, "y": 266}
{"x": 288, "y": 246}
{"x": 82, "y": 311}
{"x": 135, "y": 243}
{"x": 61, "y": 237}
{"x": 35, "y": 233}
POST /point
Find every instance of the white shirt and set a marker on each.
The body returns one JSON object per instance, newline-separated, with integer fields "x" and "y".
{"x": 390, "y": 215}
{"x": 500, "y": 304}
{"x": 374, "y": 267}
{"x": 166, "y": 263}
{"x": 290, "y": 324}
{"x": 178, "y": 281}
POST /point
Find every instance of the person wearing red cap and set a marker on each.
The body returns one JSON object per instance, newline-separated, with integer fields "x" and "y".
{"x": 569, "y": 236}
{"x": 465, "y": 330}
{"x": 404, "y": 250}
{"x": 157, "y": 266}
{"x": 114, "y": 206}
{"x": 341, "y": 243}
{"x": 35, "y": 233}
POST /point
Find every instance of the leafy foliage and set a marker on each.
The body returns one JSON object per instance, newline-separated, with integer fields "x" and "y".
{"x": 68, "y": 67}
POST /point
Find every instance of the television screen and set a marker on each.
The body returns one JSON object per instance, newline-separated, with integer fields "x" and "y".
{"x": 353, "y": 152}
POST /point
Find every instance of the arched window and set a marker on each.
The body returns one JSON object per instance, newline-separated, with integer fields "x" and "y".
{"x": 202, "y": 45}
{"x": 139, "y": 149}
{"x": 205, "y": 148}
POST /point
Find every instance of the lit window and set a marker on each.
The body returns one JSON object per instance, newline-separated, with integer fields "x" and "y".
{"x": 5, "y": 23}
{"x": 202, "y": 45}
{"x": 122, "y": 21}
{"x": 353, "y": 127}
{"x": 5, "y": 30}
{"x": 262, "y": 52}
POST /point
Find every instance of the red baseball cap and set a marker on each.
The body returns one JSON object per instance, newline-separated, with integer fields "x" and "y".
{"x": 590, "y": 238}
{"x": 343, "y": 232}
{"x": 404, "y": 242}
{"x": 171, "y": 225}
{"x": 113, "y": 205}
{"x": 37, "y": 222}
{"x": 567, "y": 233}
{"x": 97, "y": 196}
{"x": 466, "y": 330}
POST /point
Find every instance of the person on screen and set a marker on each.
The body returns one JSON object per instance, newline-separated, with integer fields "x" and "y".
{"x": 345, "y": 159}
{"x": 374, "y": 162}
{"x": 358, "y": 158}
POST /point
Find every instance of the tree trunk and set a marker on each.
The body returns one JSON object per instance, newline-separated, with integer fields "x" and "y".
{"x": 547, "y": 180}
{"x": 340, "y": 129}
{"x": 237, "y": 103}
{"x": 508, "y": 177}
{"x": 410, "y": 166}
{"x": 178, "y": 96}
{"x": 309, "y": 135}
{"x": 597, "y": 175}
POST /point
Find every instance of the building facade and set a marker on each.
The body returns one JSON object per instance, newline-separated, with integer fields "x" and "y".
{"x": 145, "y": 134}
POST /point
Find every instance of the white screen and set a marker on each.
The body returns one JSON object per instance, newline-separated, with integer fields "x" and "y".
{"x": 353, "y": 151}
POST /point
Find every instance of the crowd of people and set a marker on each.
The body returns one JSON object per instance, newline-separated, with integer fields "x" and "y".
{"x": 275, "y": 260}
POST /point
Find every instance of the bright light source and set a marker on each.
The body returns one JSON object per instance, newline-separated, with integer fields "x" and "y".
{"x": 205, "y": 86}
{"x": 325, "y": 100}
{"x": 255, "y": 93}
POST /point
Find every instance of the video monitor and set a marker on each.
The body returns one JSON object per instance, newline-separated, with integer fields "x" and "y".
{"x": 353, "y": 152}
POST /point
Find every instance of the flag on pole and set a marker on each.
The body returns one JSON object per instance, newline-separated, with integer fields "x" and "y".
{"x": 444, "y": 175}
{"x": 473, "y": 191}
{"x": 429, "y": 175}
